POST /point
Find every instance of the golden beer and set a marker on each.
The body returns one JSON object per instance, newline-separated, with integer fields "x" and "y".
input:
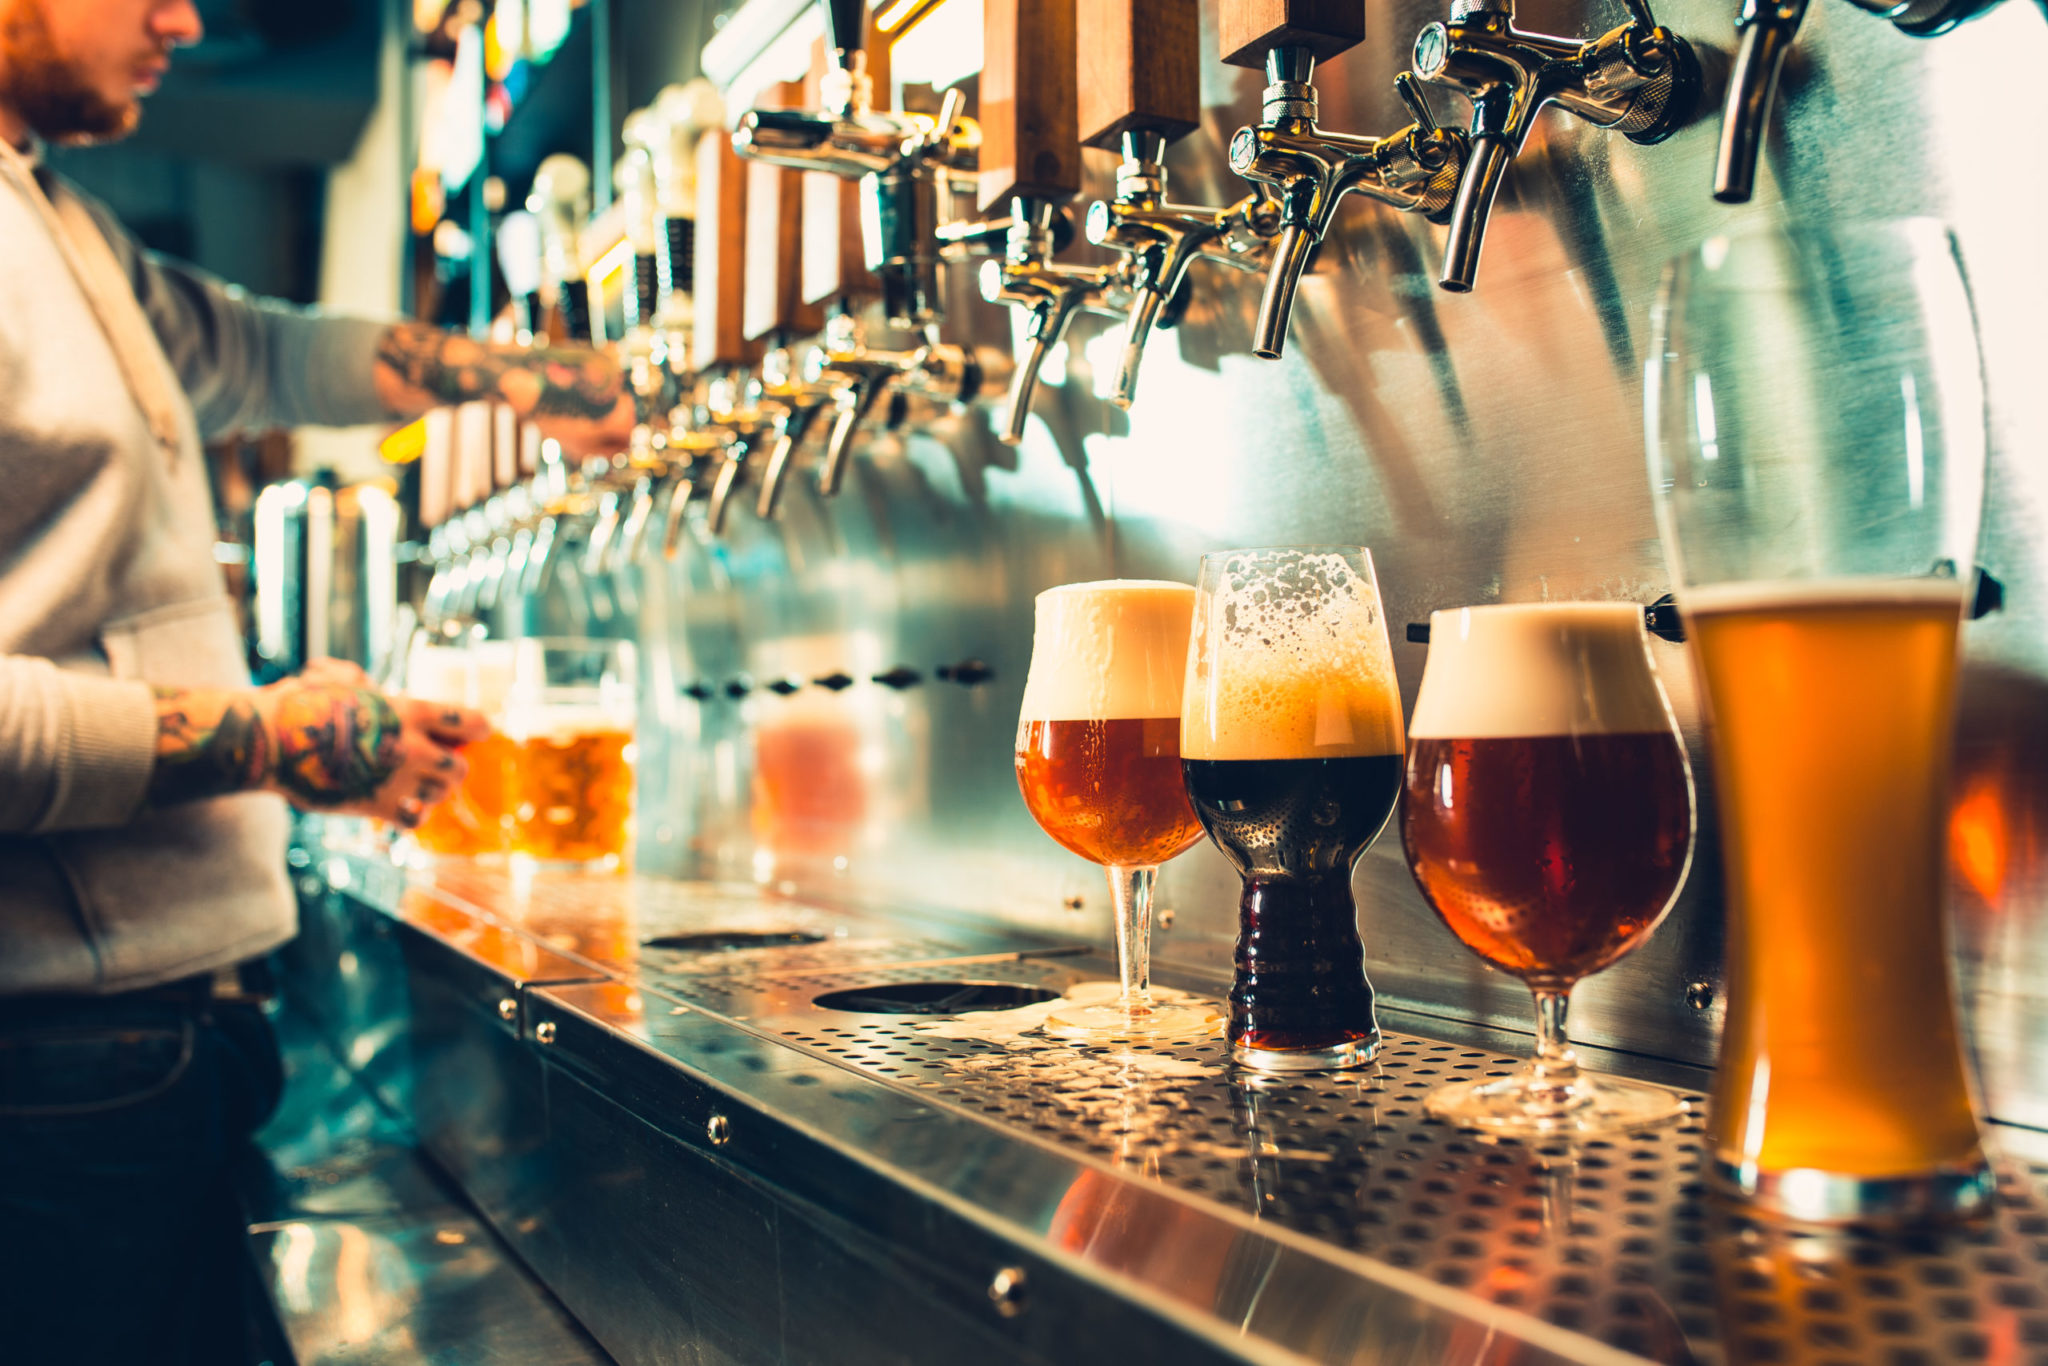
{"x": 475, "y": 817}
{"x": 573, "y": 791}
{"x": 1832, "y": 705}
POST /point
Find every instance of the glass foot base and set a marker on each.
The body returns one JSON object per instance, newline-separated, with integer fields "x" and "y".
{"x": 1590, "y": 1107}
{"x": 1102, "y": 1021}
{"x": 1350, "y": 1053}
{"x": 1808, "y": 1195}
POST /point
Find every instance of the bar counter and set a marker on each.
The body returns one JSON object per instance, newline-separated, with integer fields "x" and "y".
{"x": 632, "y": 1081}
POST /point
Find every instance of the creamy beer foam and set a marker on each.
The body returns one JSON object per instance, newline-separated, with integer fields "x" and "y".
{"x": 560, "y": 722}
{"x": 1140, "y": 625}
{"x": 1529, "y": 669}
{"x": 1874, "y": 591}
{"x": 1304, "y": 674}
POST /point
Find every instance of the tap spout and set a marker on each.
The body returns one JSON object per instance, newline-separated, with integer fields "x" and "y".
{"x": 1491, "y": 153}
{"x": 1276, "y": 305}
{"x": 791, "y": 431}
{"x": 1767, "y": 28}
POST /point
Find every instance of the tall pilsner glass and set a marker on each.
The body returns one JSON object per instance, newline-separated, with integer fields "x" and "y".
{"x": 1291, "y": 739}
{"x": 1815, "y": 419}
{"x": 1098, "y": 762}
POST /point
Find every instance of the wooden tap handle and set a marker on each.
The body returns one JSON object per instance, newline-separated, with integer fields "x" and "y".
{"x": 772, "y": 297}
{"x": 1140, "y": 70}
{"x": 718, "y": 281}
{"x": 1248, "y": 29}
{"x": 1030, "y": 134}
{"x": 835, "y": 257}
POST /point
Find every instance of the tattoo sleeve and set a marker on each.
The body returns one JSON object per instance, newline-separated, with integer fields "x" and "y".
{"x": 335, "y": 744}
{"x": 208, "y": 744}
{"x": 420, "y": 367}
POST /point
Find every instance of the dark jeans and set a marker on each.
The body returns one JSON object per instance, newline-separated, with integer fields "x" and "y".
{"x": 120, "y": 1241}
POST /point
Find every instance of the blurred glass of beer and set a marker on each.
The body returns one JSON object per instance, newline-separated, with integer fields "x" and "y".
{"x": 1291, "y": 744}
{"x": 474, "y": 822}
{"x": 1548, "y": 818}
{"x": 571, "y": 716}
{"x": 1098, "y": 763}
{"x": 1815, "y": 411}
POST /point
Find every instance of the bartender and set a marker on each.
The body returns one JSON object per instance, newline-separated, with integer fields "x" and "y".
{"x": 143, "y": 780}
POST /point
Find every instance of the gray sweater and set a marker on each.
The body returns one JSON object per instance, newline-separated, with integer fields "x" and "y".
{"x": 108, "y": 585}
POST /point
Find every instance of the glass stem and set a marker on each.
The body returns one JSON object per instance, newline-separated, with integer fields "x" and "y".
{"x": 1554, "y": 1071}
{"x": 1131, "y": 890}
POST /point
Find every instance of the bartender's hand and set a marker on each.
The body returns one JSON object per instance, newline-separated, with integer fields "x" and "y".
{"x": 574, "y": 394}
{"x": 326, "y": 740}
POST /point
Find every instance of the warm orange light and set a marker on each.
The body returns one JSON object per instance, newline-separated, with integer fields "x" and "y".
{"x": 895, "y": 16}
{"x": 1979, "y": 843}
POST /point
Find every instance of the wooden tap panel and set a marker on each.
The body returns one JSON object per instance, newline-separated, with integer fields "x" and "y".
{"x": 772, "y": 296}
{"x": 1030, "y": 131}
{"x": 718, "y": 283}
{"x": 1247, "y": 29}
{"x": 1140, "y": 70}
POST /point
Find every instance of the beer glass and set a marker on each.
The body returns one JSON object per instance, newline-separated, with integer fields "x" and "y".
{"x": 1548, "y": 818}
{"x": 571, "y": 714}
{"x": 1815, "y": 420}
{"x": 1291, "y": 744}
{"x": 1098, "y": 762}
{"x": 474, "y": 822}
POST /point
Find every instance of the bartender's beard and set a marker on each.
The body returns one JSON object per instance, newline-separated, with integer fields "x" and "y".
{"x": 47, "y": 89}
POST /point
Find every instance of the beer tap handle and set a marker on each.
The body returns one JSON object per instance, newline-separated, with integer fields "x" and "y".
{"x": 1409, "y": 91}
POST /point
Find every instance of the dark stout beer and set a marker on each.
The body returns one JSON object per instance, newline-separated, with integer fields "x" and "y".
{"x": 1550, "y": 856}
{"x": 1293, "y": 828}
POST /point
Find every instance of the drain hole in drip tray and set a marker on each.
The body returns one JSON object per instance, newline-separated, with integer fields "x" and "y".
{"x": 934, "y": 998}
{"x": 734, "y": 939}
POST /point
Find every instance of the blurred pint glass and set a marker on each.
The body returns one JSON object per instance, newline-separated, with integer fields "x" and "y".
{"x": 570, "y": 716}
{"x": 475, "y": 820}
{"x": 1816, "y": 430}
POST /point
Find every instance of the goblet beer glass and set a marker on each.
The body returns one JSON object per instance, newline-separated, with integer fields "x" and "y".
{"x": 1098, "y": 762}
{"x": 571, "y": 714}
{"x": 1290, "y": 740}
{"x": 1815, "y": 419}
{"x": 1548, "y": 818}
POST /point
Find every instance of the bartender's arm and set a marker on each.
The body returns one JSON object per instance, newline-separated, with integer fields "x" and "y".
{"x": 326, "y": 740}
{"x": 572, "y": 393}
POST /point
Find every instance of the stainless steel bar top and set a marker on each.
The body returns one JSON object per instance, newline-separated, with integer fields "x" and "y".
{"x": 1084, "y": 1204}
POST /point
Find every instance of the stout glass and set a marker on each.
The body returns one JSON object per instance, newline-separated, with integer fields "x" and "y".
{"x": 1291, "y": 743}
{"x": 570, "y": 716}
{"x": 1816, "y": 439}
{"x": 1548, "y": 817}
{"x": 1098, "y": 762}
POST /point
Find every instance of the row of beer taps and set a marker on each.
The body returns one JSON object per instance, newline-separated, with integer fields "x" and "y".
{"x": 940, "y": 190}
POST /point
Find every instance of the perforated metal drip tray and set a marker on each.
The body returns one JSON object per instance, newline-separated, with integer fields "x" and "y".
{"x": 660, "y": 930}
{"x": 1617, "y": 1240}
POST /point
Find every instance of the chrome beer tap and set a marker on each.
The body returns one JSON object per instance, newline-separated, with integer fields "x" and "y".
{"x": 735, "y": 408}
{"x": 1640, "y": 79}
{"x": 1163, "y": 239}
{"x": 859, "y": 378}
{"x": 1050, "y": 293}
{"x": 908, "y": 165}
{"x": 798, "y": 400}
{"x": 1415, "y": 169}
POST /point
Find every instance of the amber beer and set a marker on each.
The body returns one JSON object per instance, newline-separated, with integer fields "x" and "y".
{"x": 1548, "y": 809}
{"x": 1832, "y": 706}
{"x": 1110, "y": 789}
{"x": 1291, "y": 747}
{"x": 475, "y": 819}
{"x": 573, "y": 788}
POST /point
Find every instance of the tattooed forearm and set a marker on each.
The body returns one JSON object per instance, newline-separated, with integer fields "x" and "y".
{"x": 335, "y": 745}
{"x": 207, "y": 744}
{"x": 420, "y": 367}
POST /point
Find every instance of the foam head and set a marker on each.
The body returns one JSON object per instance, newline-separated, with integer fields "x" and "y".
{"x": 1290, "y": 659}
{"x": 1108, "y": 651}
{"x": 1534, "y": 669}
